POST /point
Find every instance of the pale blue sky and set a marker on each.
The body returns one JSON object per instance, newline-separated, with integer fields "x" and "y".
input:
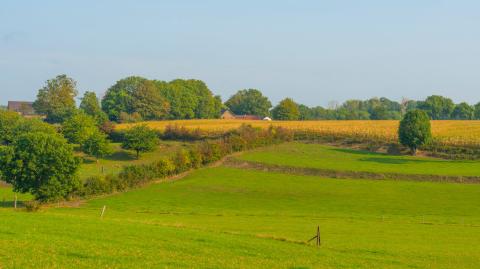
{"x": 313, "y": 51}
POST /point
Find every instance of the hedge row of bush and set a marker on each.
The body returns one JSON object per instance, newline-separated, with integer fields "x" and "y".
{"x": 171, "y": 132}
{"x": 199, "y": 154}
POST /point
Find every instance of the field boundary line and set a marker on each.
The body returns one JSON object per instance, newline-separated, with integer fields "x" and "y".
{"x": 329, "y": 173}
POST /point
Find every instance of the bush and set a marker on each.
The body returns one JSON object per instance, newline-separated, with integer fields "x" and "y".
{"x": 196, "y": 157}
{"x": 94, "y": 186}
{"x": 414, "y": 130}
{"x": 182, "y": 161}
{"x": 176, "y": 132}
{"x": 32, "y": 206}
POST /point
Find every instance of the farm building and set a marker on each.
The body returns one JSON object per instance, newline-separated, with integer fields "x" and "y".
{"x": 21, "y": 107}
{"x": 227, "y": 115}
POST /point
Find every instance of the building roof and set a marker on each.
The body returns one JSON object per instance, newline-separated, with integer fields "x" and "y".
{"x": 23, "y": 107}
{"x": 247, "y": 117}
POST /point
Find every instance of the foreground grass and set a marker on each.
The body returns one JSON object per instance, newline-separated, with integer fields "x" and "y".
{"x": 333, "y": 158}
{"x": 230, "y": 218}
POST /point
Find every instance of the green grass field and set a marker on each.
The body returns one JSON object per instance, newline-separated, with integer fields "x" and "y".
{"x": 328, "y": 157}
{"x": 223, "y": 217}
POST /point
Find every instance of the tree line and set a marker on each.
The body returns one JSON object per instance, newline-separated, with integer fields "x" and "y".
{"x": 135, "y": 99}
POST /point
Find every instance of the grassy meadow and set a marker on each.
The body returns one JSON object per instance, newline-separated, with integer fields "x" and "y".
{"x": 340, "y": 159}
{"x": 222, "y": 217}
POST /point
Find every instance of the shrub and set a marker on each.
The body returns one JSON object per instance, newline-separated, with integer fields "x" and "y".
{"x": 182, "y": 161}
{"x": 196, "y": 157}
{"x": 211, "y": 152}
{"x": 94, "y": 186}
{"x": 32, "y": 206}
{"x": 163, "y": 168}
{"x": 414, "y": 130}
{"x": 176, "y": 132}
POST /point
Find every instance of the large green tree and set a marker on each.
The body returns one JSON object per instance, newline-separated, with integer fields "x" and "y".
{"x": 414, "y": 130}
{"x": 79, "y": 127}
{"x": 140, "y": 138}
{"x": 437, "y": 107}
{"x": 287, "y": 109}
{"x": 463, "y": 111}
{"x": 57, "y": 98}
{"x": 42, "y": 164}
{"x": 119, "y": 97}
{"x": 249, "y": 101}
{"x": 96, "y": 145}
{"x": 148, "y": 102}
{"x": 90, "y": 105}
{"x": 190, "y": 99}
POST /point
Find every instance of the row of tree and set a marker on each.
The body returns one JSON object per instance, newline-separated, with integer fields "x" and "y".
{"x": 134, "y": 99}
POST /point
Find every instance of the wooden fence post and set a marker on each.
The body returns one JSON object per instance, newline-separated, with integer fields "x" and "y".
{"x": 318, "y": 236}
{"x": 15, "y": 201}
{"x": 103, "y": 211}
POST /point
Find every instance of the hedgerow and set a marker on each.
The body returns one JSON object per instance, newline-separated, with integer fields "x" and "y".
{"x": 202, "y": 153}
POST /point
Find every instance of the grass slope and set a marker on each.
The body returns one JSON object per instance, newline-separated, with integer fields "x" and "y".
{"x": 230, "y": 218}
{"x": 327, "y": 157}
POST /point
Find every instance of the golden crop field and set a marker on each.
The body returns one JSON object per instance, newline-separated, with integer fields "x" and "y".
{"x": 452, "y": 132}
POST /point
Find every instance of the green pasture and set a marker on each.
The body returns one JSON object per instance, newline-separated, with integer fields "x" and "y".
{"x": 334, "y": 158}
{"x": 230, "y": 218}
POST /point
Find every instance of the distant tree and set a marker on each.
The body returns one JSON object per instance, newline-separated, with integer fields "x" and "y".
{"x": 182, "y": 99}
{"x": 287, "y": 109}
{"x": 119, "y": 97}
{"x": 343, "y": 113}
{"x": 249, "y": 101}
{"x": 477, "y": 111}
{"x": 437, "y": 107}
{"x": 191, "y": 99}
{"x": 140, "y": 139}
{"x": 147, "y": 101}
{"x": 463, "y": 111}
{"x": 79, "y": 127}
{"x": 57, "y": 98}
{"x": 414, "y": 130}
{"x": 90, "y": 105}
{"x": 379, "y": 113}
{"x": 42, "y": 164}
{"x": 305, "y": 112}
{"x": 96, "y": 145}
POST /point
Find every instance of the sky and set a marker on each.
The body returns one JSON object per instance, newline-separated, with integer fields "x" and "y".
{"x": 312, "y": 51}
